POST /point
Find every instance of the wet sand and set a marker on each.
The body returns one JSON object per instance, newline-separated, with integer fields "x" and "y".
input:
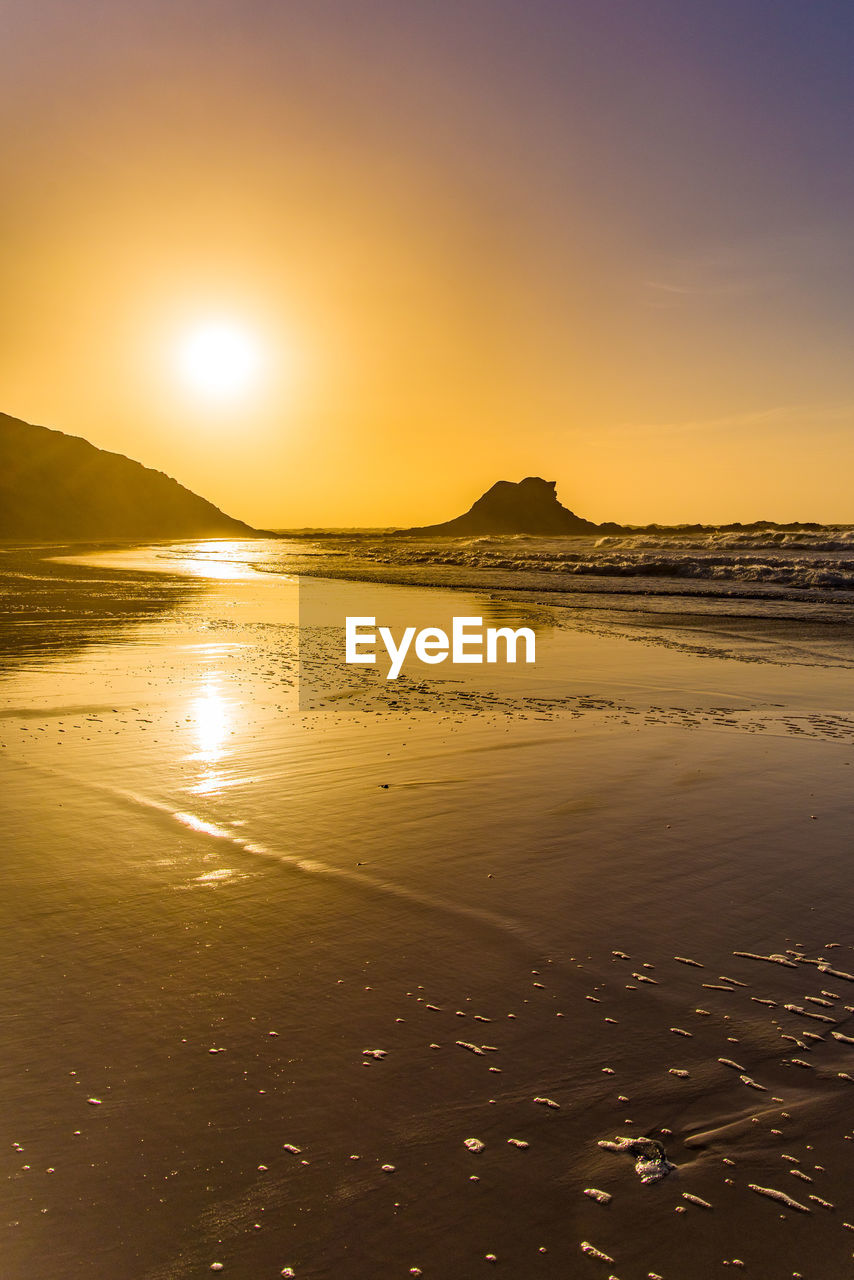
{"x": 266, "y": 972}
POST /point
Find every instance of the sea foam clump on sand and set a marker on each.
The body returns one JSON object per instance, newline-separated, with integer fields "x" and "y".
{"x": 651, "y": 1163}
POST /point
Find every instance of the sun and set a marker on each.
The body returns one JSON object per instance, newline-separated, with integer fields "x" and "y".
{"x": 220, "y": 360}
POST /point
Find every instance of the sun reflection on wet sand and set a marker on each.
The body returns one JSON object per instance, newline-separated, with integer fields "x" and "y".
{"x": 199, "y": 824}
{"x": 215, "y": 559}
{"x": 222, "y": 560}
{"x": 210, "y": 720}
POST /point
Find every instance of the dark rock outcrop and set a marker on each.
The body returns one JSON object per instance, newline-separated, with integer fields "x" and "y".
{"x": 529, "y": 506}
{"x": 58, "y": 486}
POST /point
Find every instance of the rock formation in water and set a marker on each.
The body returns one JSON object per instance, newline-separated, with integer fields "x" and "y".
{"x": 55, "y": 486}
{"x": 529, "y": 506}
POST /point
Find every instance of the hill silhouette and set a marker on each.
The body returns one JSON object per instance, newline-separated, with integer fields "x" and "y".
{"x": 529, "y": 506}
{"x": 54, "y": 485}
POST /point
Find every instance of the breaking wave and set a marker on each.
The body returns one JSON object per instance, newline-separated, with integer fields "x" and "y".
{"x": 803, "y": 563}
{"x": 801, "y": 559}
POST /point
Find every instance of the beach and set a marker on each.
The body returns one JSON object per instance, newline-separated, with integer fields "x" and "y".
{"x": 269, "y": 967}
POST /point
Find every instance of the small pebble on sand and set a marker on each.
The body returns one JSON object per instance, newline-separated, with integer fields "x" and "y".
{"x": 593, "y": 1252}
{"x": 601, "y": 1197}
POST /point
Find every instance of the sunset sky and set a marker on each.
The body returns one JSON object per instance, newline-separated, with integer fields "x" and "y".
{"x": 603, "y": 241}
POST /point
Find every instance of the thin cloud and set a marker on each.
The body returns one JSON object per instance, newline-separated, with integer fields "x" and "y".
{"x": 774, "y": 416}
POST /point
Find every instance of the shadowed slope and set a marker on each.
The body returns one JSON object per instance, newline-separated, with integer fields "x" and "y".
{"x": 58, "y": 486}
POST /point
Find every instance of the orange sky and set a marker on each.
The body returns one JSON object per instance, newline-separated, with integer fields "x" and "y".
{"x": 475, "y": 241}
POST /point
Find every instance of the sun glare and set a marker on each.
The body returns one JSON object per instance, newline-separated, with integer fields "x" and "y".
{"x": 220, "y": 360}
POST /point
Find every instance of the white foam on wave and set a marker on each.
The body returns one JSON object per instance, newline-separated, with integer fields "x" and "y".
{"x": 803, "y": 560}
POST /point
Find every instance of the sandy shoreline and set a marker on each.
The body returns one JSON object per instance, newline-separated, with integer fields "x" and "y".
{"x": 197, "y": 865}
